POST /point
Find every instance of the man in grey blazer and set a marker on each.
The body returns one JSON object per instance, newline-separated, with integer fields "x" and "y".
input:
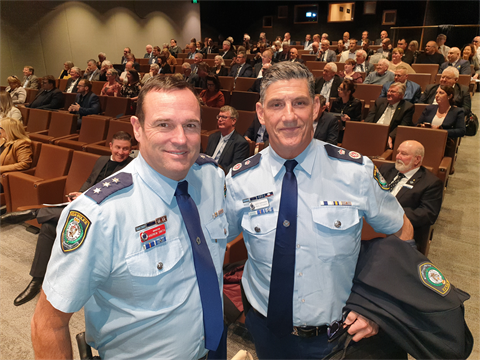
{"x": 325, "y": 54}
{"x": 453, "y": 59}
{"x": 92, "y": 73}
{"x": 29, "y": 81}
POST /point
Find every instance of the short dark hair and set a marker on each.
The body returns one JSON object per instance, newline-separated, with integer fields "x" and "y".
{"x": 161, "y": 84}
{"x": 203, "y": 66}
{"x": 214, "y": 79}
{"x": 323, "y": 100}
{"x": 349, "y": 85}
{"x": 87, "y": 83}
{"x": 134, "y": 73}
{"x": 50, "y": 79}
{"x": 122, "y": 135}
{"x": 449, "y": 90}
{"x": 30, "y": 68}
{"x": 351, "y": 62}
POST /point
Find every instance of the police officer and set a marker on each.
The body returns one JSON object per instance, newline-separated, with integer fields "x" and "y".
{"x": 143, "y": 249}
{"x": 300, "y": 204}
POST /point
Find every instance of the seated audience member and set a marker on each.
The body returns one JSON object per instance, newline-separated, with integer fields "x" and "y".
{"x": 220, "y": 69}
{"x": 386, "y": 50}
{"x": 126, "y": 51}
{"x": 105, "y": 66}
{"x": 397, "y": 62}
{"x": 174, "y": 49}
{"x": 325, "y": 127}
{"x": 227, "y": 53}
{"x": 381, "y": 75}
{"x": 346, "y": 39}
{"x": 164, "y": 68}
{"x": 284, "y": 54}
{"x": 30, "y": 81}
{"x": 349, "y": 72}
{"x": 154, "y": 69}
{"x": 340, "y": 48}
{"x": 416, "y": 188}
{"x": 328, "y": 84}
{"x": 444, "y": 115}
{"x": 230, "y": 40}
{"x": 49, "y": 97}
{"x": 256, "y": 132}
{"x": 211, "y": 48}
{"x": 461, "y": 96}
{"x": 149, "y": 52}
{"x": 413, "y": 47}
{"x": 383, "y": 35}
{"x": 86, "y": 102}
{"x": 362, "y": 65}
{"x": 16, "y": 147}
{"x": 431, "y": 55}
{"x": 350, "y": 53}
{"x": 246, "y": 44}
{"x": 197, "y": 59}
{"x": 101, "y": 58}
{"x": 315, "y": 46}
{"x": 133, "y": 86}
{"x": 123, "y": 75}
{"x": 476, "y": 43}
{"x": 277, "y": 50}
{"x": 454, "y": 59}
{"x": 192, "y": 50}
{"x": 407, "y": 56}
{"x": 325, "y": 54}
{"x": 131, "y": 58}
{"x": 364, "y": 37}
{"x": 227, "y": 147}
{"x": 75, "y": 75}
{"x": 200, "y": 78}
{"x": 468, "y": 53}
{"x": 15, "y": 89}
{"x": 346, "y": 104}
{"x": 104, "y": 167}
{"x": 293, "y": 56}
{"x": 308, "y": 41}
{"x": 257, "y": 59}
{"x": 413, "y": 90}
{"x": 187, "y": 72}
{"x": 392, "y": 111}
{"x": 201, "y": 48}
{"x": 65, "y": 74}
{"x": 287, "y": 38}
{"x": 212, "y": 96}
{"x": 92, "y": 73}
{"x": 442, "y": 48}
{"x": 366, "y": 47}
{"x": 7, "y": 109}
{"x": 155, "y": 55}
{"x": 112, "y": 87}
{"x": 241, "y": 68}
{"x": 264, "y": 65}
{"x": 170, "y": 58}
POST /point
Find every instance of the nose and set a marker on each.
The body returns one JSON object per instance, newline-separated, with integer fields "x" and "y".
{"x": 288, "y": 113}
{"x": 178, "y": 136}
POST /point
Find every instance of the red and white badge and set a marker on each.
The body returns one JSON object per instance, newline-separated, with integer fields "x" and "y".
{"x": 237, "y": 167}
{"x": 354, "y": 155}
{"x": 341, "y": 152}
{"x": 152, "y": 233}
{"x": 247, "y": 162}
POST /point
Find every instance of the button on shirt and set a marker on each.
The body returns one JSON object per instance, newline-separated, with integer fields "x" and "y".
{"x": 387, "y": 116}
{"x": 327, "y": 86}
{"x": 221, "y": 145}
{"x": 328, "y": 237}
{"x": 408, "y": 175}
{"x": 140, "y": 303}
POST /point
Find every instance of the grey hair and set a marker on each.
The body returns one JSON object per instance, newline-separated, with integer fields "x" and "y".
{"x": 362, "y": 52}
{"x": 106, "y": 63}
{"x": 287, "y": 70}
{"x": 155, "y": 66}
{"x": 223, "y": 61}
{"x": 186, "y": 65}
{"x": 332, "y": 66}
{"x": 92, "y": 60}
{"x": 384, "y": 62}
{"x": 102, "y": 54}
{"x": 401, "y": 87}
{"x": 77, "y": 70}
{"x": 233, "y": 112}
{"x": 453, "y": 70}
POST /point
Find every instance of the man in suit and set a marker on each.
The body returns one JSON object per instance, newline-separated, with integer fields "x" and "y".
{"x": 416, "y": 189}
{"x": 442, "y": 48}
{"x": 346, "y": 39}
{"x": 256, "y": 132}
{"x": 92, "y": 73}
{"x": 383, "y": 35}
{"x": 315, "y": 46}
{"x": 149, "y": 53}
{"x": 29, "y": 81}
{"x": 287, "y": 39}
{"x": 407, "y": 53}
{"x": 105, "y": 166}
{"x": 126, "y": 51}
{"x": 197, "y": 59}
{"x": 241, "y": 68}
{"x": 362, "y": 64}
{"x": 265, "y": 64}
{"x": 211, "y": 48}
{"x": 228, "y": 53}
{"x": 461, "y": 96}
{"x": 155, "y": 54}
{"x": 325, "y": 54}
{"x": 366, "y": 47}
{"x": 350, "y": 53}
{"x": 293, "y": 56}
{"x": 49, "y": 97}
{"x": 86, "y": 102}
{"x": 72, "y": 83}
{"x": 431, "y": 55}
{"x": 325, "y": 127}
{"x": 284, "y": 54}
{"x": 392, "y": 111}
{"x": 386, "y": 50}
{"x": 453, "y": 59}
{"x": 381, "y": 75}
{"x": 308, "y": 41}
{"x": 227, "y": 146}
{"x": 198, "y": 80}
{"x": 413, "y": 90}
{"x": 193, "y": 50}
{"x": 328, "y": 84}
{"x": 364, "y": 37}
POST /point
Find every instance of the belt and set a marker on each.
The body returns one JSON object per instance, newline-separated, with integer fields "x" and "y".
{"x": 303, "y": 331}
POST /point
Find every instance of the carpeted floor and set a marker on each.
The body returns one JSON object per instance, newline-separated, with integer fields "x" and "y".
{"x": 455, "y": 250}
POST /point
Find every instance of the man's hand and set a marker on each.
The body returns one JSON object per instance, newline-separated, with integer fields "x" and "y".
{"x": 74, "y": 107}
{"x": 361, "y": 326}
{"x": 73, "y": 195}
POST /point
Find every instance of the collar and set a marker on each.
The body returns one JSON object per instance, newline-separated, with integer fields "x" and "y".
{"x": 305, "y": 160}
{"x": 409, "y": 174}
{"x": 330, "y": 81}
{"x": 394, "y": 105}
{"x": 385, "y": 73}
{"x": 226, "y": 137}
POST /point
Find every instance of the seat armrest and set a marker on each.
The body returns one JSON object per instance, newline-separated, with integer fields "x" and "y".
{"x": 387, "y": 155}
{"x": 43, "y": 132}
{"x": 51, "y": 190}
{"x": 66, "y": 137}
{"x": 31, "y": 207}
{"x": 72, "y": 144}
{"x": 445, "y": 165}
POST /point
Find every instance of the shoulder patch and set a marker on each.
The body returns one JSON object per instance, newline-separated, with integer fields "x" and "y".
{"x": 109, "y": 186}
{"x": 246, "y": 164}
{"x": 74, "y": 231}
{"x": 380, "y": 179}
{"x": 433, "y": 279}
{"x": 339, "y": 153}
{"x": 205, "y": 159}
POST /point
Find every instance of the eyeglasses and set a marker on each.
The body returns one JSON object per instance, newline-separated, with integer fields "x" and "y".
{"x": 210, "y": 84}
{"x": 14, "y": 76}
{"x": 222, "y": 117}
{"x": 341, "y": 89}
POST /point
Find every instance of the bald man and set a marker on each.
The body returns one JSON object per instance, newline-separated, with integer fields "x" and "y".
{"x": 418, "y": 191}
{"x": 431, "y": 55}
{"x": 454, "y": 59}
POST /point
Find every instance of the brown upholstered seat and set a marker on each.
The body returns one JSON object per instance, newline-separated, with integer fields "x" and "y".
{"x": 421, "y": 79}
{"x": 102, "y": 147}
{"x": 315, "y": 65}
{"x": 226, "y": 82}
{"x": 244, "y": 100}
{"x": 244, "y": 83}
{"x": 61, "y": 124}
{"x": 94, "y": 129}
{"x": 209, "y": 118}
{"x": 117, "y": 106}
{"x": 431, "y": 69}
{"x": 366, "y": 138}
{"x": 38, "y": 120}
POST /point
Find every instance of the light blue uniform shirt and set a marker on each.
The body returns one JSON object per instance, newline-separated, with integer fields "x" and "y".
{"x": 326, "y": 255}
{"x": 134, "y": 307}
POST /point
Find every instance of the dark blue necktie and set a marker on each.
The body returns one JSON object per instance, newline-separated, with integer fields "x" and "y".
{"x": 280, "y": 300}
{"x": 206, "y": 274}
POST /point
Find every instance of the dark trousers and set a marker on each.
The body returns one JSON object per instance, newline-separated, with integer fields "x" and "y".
{"x": 48, "y": 217}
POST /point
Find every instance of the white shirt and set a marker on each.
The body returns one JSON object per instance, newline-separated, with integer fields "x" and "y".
{"x": 388, "y": 114}
{"x": 221, "y": 145}
{"x": 72, "y": 85}
{"x": 327, "y": 86}
{"x": 404, "y": 180}
{"x": 437, "y": 121}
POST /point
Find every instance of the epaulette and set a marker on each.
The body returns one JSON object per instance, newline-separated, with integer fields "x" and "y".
{"x": 109, "y": 186}
{"x": 246, "y": 164}
{"x": 205, "y": 159}
{"x": 339, "y": 153}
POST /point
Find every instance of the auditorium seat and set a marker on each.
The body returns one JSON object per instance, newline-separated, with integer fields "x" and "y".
{"x": 421, "y": 79}
{"x": 368, "y": 233}
{"x": 178, "y": 69}
{"x": 117, "y": 106}
{"x": 366, "y": 138}
{"x": 317, "y": 73}
{"x": 182, "y": 56}
{"x": 143, "y": 61}
{"x": 204, "y": 141}
{"x": 25, "y": 112}
{"x": 308, "y": 57}
{"x": 227, "y": 95}
{"x": 38, "y": 120}
{"x": 62, "y": 84}
{"x": 209, "y": 118}
{"x": 226, "y": 82}
{"x": 31, "y": 94}
{"x": 245, "y": 119}
{"x": 103, "y": 147}
{"x": 209, "y": 62}
{"x": 94, "y": 129}
{"x": 244, "y": 100}
{"x": 431, "y": 69}
{"x": 145, "y": 68}
{"x": 21, "y": 188}
{"x": 61, "y": 124}
{"x": 69, "y": 99}
{"x": 315, "y": 65}
{"x": 190, "y": 61}
{"x": 97, "y": 87}
{"x": 418, "y": 112}
{"x": 367, "y": 92}
{"x": 244, "y": 83}
{"x": 235, "y": 251}
{"x": 340, "y": 66}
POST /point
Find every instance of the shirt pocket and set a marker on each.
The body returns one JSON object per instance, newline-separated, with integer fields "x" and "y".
{"x": 338, "y": 231}
{"x": 259, "y": 235}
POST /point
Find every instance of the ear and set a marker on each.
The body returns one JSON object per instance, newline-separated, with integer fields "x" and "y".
{"x": 316, "y": 107}
{"x": 260, "y": 113}
{"x": 137, "y": 128}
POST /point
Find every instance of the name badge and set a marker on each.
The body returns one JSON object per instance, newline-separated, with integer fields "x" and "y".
{"x": 266, "y": 195}
{"x": 408, "y": 186}
{"x": 152, "y": 233}
{"x": 259, "y": 204}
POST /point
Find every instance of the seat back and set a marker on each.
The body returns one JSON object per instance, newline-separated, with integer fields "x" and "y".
{"x": 315, "y": 65}
{"x": 31, "y": 93}
{"x": 245, "y": 119}
{"x": 36, "y": 148}
{"x": 244, "y": 83}
{"x": 53, "y": 161}
{"x": 142, "y": 61}
{"x": 244, "y": 100}
{"x": 418, "y": 112}
{"x": 80, "y": 169}
{"x": 209, "y": 118}
{"x": 421, "y": 79}
{"x": 25, "y": 113}
{"x": 340, "y": 65}
{"x": 117, "y": 125}
{"x": 62, "y": 84}
{"x": 62, "y": 123}
{"x": 117, "y": 106}
{"x": 226, "y": 82}
{"x": 367, "y": 92}
{"x": 431, "y": 69}
{"x": 308, "y": 57}
{"x": 366, "y": 138}
{"x": 317, "y": 73}
{"x": 38, "y": 120}
{"x": 93, "y": 129}
{"x": 97, "y": 86}
{"x": 69, "y": 99}
{"x": 464, "y": 80}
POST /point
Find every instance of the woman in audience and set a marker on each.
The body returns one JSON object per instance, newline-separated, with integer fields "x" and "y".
{"x": 468, "y": 53}
{"x": 349, "y": 108}
{"x": 445, "y": 115}
{"x": 340, "y": 47}
{"x": 15, "y": 89}
{"x": 132, "y": 88}
{"x": 212, "y": 96}
{"x": 112, "y": 87}
{"x": 164, "y": 67}
{"x": 201, "y": 48}
{"x": 7, "y": 110}
{"x": 397, "y": 55}
{"x": 349, "y": 73}
{"x": 220, "y": 69}
{"x": 413, "y": 47}
{"x": 15, "y": 146}
{"x": 65, "y": 74}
